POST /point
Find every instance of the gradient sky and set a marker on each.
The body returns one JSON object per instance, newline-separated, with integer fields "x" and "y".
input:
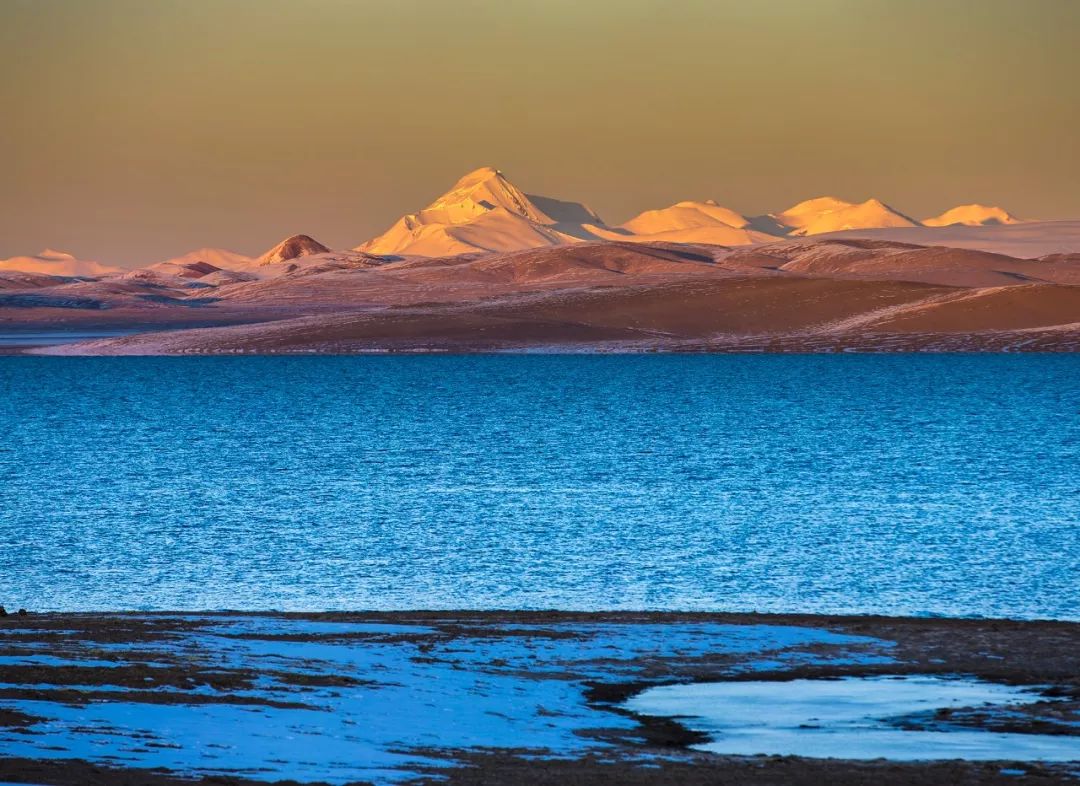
{"x": 135, "y": 130}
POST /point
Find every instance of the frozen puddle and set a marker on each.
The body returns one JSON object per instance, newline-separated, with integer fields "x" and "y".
{"x": 855, "y": 718}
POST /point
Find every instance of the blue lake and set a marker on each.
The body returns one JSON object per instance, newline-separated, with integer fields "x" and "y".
{"x": 888, "y": 484}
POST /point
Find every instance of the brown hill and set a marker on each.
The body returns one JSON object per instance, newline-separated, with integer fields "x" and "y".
{"x": 884, "y": 260}
{"x": 1000, "y": 308}
{"x": 809, "y": 295}
{"x": 293, "y": 247}
{"x": 691, "y": 309}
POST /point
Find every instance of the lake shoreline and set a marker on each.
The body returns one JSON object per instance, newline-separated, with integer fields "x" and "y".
{"x": 189, "y": 343}
{"x": 188, "y": 662}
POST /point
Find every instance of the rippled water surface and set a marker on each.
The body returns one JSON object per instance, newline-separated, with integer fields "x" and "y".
{"x": 897, "y": 484}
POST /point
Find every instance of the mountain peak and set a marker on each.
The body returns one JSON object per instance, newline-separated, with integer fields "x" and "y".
{"x": 974, "y": 215}
{"x": 478, "y": 175}
{"x": 52, "y": 253}
{"x": 829, "y": 214}
{"x": 478, "y": 192}
{"x": 816, "y": 205}
{"x": 481, "y": 211}
{"x": 292, "y": 247}
{"x": 685, "y": 215}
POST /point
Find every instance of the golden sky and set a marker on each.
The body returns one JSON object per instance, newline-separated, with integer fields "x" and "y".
{"x": 134, "y": 130}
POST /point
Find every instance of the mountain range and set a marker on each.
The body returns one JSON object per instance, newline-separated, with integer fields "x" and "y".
{"x": 485, "y": 212}
{"x": 487, "y": 267}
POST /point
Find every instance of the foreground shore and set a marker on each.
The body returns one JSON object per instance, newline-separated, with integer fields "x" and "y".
{"x": 483, "y": 698}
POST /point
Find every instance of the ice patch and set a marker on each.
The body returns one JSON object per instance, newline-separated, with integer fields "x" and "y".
{"x": 853, "y": 718}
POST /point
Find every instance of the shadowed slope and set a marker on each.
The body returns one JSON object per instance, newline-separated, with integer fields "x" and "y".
{"x": 292, "y": 248}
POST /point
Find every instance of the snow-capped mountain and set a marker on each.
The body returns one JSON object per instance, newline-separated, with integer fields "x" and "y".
{"x": 57, "y": 263}
{"x": 829, "y": 214}
{"x": 483, "y": 211}
{"x": 973, "y": 216}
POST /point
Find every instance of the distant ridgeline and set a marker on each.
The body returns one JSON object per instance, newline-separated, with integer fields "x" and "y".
{"x": 484, "y": 211}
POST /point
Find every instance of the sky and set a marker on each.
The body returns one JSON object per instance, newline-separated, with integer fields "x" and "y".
{"x": 136, "y": 130}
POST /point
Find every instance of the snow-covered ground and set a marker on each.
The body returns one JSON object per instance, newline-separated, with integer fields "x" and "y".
{"x": 338, "y": 702}
{"x": 388, "y": 698}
